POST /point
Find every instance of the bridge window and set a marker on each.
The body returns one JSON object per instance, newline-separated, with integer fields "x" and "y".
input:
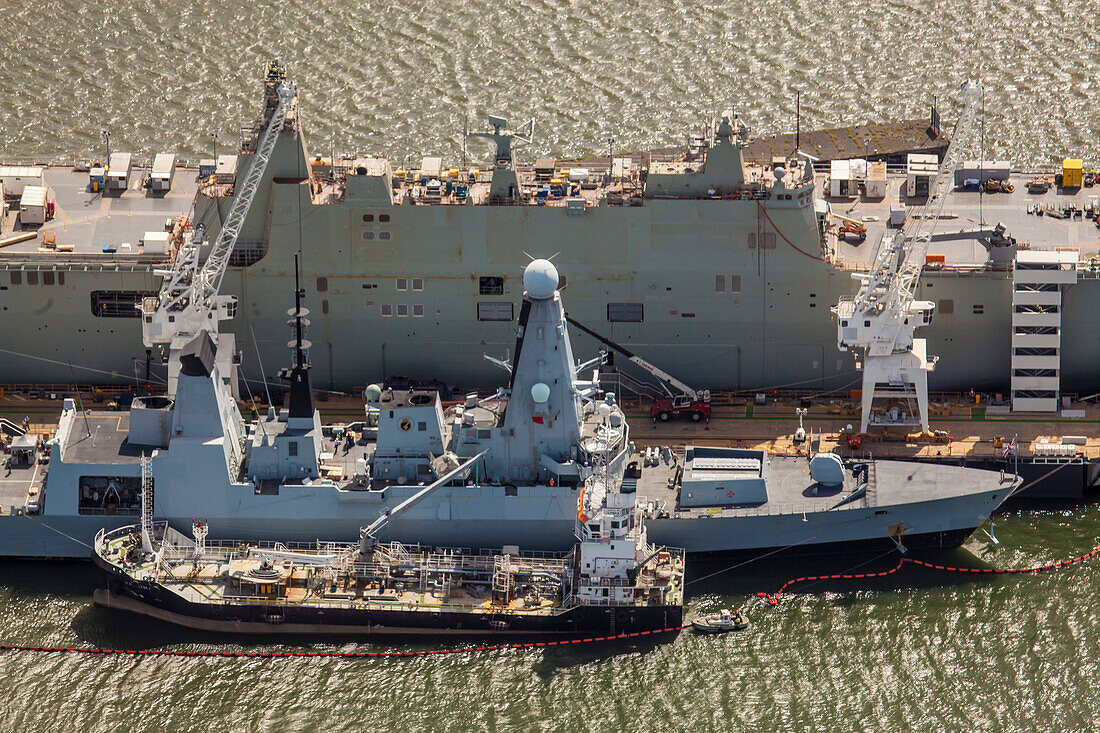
{"x": 368, "y": 218}
{"x": 383, "y": 218}
{"x": 16, "y": 277}
{"x": 32, "y": 278}
{"x": 418, "y": 283}
{"x": 625, "y": 312}
{"x": 979, "y": 309}
{"x": 117, "y": 303}
{"x": 386, "y": 310}
{"x": 322, "y": 284}
{"x": 47, "y": 278}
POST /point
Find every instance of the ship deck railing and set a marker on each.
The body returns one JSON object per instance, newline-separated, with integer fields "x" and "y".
{"x": 371, "y": 605}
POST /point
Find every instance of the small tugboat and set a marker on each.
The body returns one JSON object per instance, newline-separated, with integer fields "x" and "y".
{"x": 612, "y": 582}
{"x": 722, "y": 622}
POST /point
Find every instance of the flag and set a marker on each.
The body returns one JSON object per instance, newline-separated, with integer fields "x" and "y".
{"x": 537, "y": 419}
{"x": 1010, "y": 448}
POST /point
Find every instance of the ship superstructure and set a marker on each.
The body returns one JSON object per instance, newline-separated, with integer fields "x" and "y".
{"x": 521, "y": 467}
{"x": 719, "y": 269}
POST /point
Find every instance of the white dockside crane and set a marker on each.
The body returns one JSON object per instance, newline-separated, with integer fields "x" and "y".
{"x": 189, "y": 301}
{"x": 881, "y": 318}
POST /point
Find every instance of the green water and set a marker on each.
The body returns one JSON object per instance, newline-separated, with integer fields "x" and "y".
{"x": 915, "y": 651}
{"x": 918, "y": 650}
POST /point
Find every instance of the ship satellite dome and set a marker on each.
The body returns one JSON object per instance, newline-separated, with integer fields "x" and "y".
{"x": 372, "y": 393}
{"x": 540, "y": 393}
{"x": 540, "y": 279}
{"x": 604, "y": 409}
{"x": 779, "y": 172}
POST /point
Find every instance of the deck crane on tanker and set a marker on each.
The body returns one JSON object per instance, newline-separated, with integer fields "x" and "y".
{"x": 881, "y": 318}
{"x": 189, "y": 301}
{"x": 691, "y": 402}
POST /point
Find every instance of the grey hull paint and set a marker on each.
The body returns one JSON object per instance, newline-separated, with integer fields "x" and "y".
{"x": 71, "y": 537}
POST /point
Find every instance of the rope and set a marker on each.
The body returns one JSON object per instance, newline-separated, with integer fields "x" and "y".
{"x": 784, "y": 236}
{"x": 772, "y": 600}
{"x": 335, "y": 655}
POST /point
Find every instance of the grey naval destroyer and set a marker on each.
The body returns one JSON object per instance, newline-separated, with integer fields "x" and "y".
{"x": 721, "y": 269}
{"x": 515, "y": 468}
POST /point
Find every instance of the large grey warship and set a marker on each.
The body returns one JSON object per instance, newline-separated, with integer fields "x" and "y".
{"x": 711, "y": 265}
{"x": 514, "y": 468}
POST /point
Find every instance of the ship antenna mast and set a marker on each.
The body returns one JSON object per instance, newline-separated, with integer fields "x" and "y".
{"x": 299, "y": 358}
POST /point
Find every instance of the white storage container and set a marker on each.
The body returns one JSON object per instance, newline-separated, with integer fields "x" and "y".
{"x": 15, "y": 178}
{"x": 164, "y": 168}
{"x": 32, "y": 205}
{"x": 119, "y": 167}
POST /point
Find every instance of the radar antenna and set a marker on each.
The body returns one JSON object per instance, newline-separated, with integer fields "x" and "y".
{"x": 504, "y": 188}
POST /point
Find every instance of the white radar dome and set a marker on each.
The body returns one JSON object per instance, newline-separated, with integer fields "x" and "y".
{"x": 540, "y": 279}
{"x": 372, "y": 393}
{"x": 540, "y": 393}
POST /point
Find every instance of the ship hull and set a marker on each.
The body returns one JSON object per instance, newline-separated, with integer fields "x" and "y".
{"x": 149, "y": 599}
{"x": 941, "y": 523}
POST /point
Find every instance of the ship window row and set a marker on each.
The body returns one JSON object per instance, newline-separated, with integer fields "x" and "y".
{"x": 370, "y": 235}
{"x": 387, "y": 310}
{"x": 734, "y": 283}
{"x": 49, "y": 277}
{"x": 767, "y": 240}
{"x": 368, "y": 218}
{"x": 403, "y": 283}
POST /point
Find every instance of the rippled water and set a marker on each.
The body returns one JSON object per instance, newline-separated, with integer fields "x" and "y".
{"x": 915, "y": 651}
{"x": 400, "y": 78}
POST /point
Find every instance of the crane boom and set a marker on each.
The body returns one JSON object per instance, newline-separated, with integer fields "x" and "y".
{"x": 664, "y": 376}
{"x": 882, "y": 317}
{"x": 189, "y": 299}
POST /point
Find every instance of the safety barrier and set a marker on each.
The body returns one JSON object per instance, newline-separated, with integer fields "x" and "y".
{"x": 772, "y": 600}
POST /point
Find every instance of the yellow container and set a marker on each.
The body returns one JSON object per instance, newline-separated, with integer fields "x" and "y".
{"x": 1073, "y": 173}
